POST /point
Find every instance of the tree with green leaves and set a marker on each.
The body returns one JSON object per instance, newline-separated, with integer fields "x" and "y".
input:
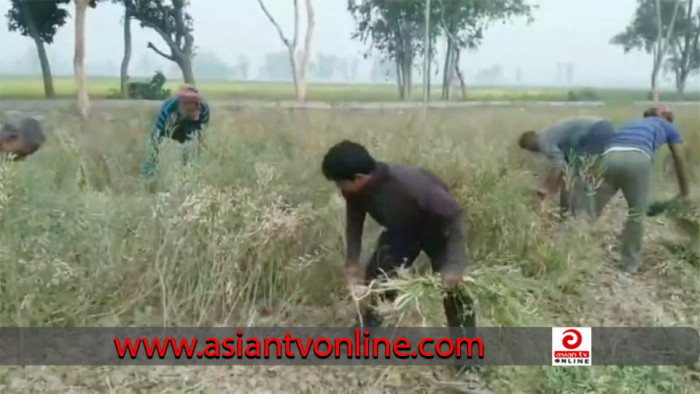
{"x": 652, "y": 29}
{"x": 39, "y": 20}
{"x": 463, "y": 24}
{"x": 169, "y": 19}
{"x": 81, "y": 7}
{"x": 396, "y": 30}
{"x": 684, "y": 59}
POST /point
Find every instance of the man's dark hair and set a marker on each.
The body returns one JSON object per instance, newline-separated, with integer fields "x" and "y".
{"x": 527, "y": 138}
{"x": 28, "y": 132}
{"x": 345, "y": 160}
{"x": 651, "y": 111}
{"x": 660, "y": 111}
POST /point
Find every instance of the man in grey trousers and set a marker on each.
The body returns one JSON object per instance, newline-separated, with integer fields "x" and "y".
{"x": 627, "y": 163}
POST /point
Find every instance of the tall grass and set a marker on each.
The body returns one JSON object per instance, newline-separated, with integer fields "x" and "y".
{"x": 252, "y": 234}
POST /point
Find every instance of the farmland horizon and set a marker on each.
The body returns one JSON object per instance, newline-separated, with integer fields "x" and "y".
{"x": 13, "y": 86}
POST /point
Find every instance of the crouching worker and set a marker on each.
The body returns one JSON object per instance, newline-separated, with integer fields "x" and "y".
{"x": 417, "y": 213}
{"x": 20, "y": 141}
{"x": 182, "y": 118}
{"x": 571, "y": 142}
{"x": 628, "y": 165}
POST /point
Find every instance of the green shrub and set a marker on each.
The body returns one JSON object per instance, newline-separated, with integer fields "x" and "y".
{"x": 585, "y": 94}
{"x": 151, "y": 90}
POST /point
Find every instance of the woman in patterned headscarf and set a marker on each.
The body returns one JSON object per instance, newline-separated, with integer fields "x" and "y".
{"x": 182, "y": 118}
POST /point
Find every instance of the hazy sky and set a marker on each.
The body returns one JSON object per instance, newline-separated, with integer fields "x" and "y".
{"x": 563, "y": 31}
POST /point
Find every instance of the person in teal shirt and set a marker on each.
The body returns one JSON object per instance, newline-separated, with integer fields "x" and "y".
{"x": 182, "y": 118}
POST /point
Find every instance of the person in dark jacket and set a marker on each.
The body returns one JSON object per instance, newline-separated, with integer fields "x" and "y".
{"x": 21, "y": 140}
{"x": 182, "y": 118}
{"x": 418, "y": 214}
{"x": 570, "y": 143}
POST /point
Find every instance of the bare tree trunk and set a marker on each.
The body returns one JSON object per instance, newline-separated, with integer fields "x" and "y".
{"x": 405, "y": 82}
{"x": 408, "y": 75}
{"x": 681, "y": 79}
{"x": 291, "y": 45}
{"x": 293, "y": 66}
{"x": 306, "y": 59}
{"x": 654, "y": 77}
{"x": 445, "y": 94}
{"x": 124, "y": 72}
{"x": 447, "y": 72}
{"x": 451, "y": 57}
{"x": 78, "y": 60}
{"x": 185, "y": 63}
{"x": 661, "y": 45}
{"x": 49, "y": 91}
{"x": 458, "y": 53}
{"x": 657, "y": 52}
{"x": 685, "y": 52}
{"x": 427, "y": 77}
{"x": 399, "y": 78}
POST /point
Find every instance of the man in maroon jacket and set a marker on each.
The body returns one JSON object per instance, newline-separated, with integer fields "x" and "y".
{"x": 418, "y": 214}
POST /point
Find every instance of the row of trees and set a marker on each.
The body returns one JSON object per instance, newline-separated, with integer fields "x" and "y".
{"x": 669, "y": 30}
{"x": 393, "y": 26}
{"x": 397, "y": 29}
{"x": 41, "y": 19}
{"x": 394, "y": 30}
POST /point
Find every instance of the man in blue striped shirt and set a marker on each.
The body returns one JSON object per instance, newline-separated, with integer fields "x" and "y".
{"x": 182, "y": 118}
{"x": 627, "y": 163}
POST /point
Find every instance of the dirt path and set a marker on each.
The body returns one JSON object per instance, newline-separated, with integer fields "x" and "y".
{"x": 68, "y": 104}
{"x": 651, "y": 296}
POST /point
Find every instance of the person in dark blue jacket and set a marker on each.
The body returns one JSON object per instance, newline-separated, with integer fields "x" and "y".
{"x": 182, "y": 118}
{"x": 569, "y": 143}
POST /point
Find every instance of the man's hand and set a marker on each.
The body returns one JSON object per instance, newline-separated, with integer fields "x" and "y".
{"x": 676, "y": 153}
{"x": 452, "y": 280}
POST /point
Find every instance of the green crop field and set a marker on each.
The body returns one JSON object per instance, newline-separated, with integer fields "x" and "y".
{"x": 252, "y": 234}
{"x": 17, "y": 87}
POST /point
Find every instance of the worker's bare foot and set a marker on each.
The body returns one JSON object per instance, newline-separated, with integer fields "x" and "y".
{"x": 472, "y": 379}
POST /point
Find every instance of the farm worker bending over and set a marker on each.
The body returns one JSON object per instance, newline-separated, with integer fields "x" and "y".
{"x": 21, "y": 140}
{"x": 627, "y": 165}
{"x": 418, "y": 214}
{"x": 569, "y": 142}
{"x": 182, "y": 118}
